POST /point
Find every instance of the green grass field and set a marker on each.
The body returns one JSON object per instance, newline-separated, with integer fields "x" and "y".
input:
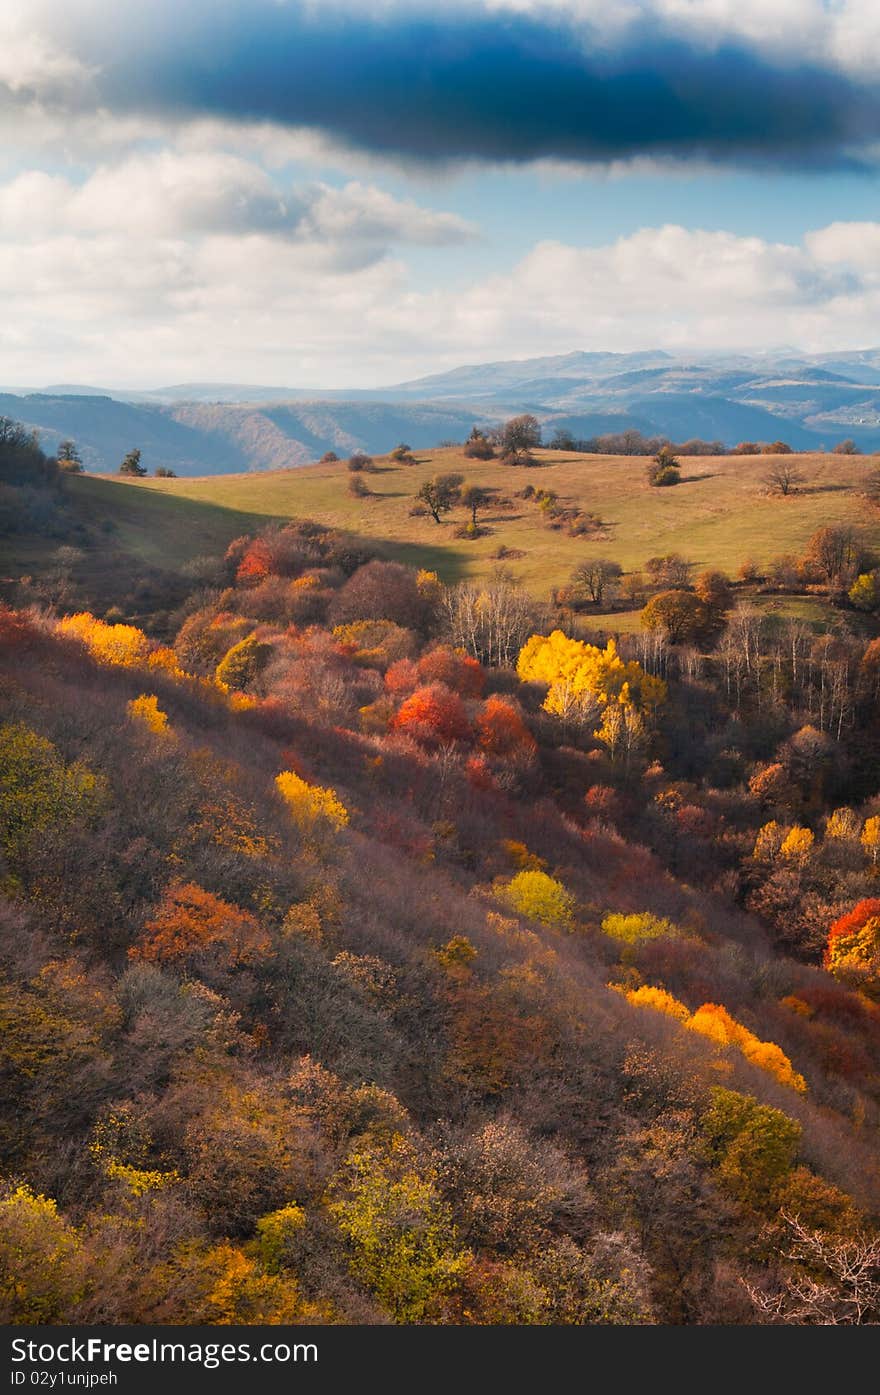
{"x": 719, "y": 516}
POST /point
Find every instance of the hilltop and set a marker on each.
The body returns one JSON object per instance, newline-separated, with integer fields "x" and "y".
{"x": 811, "y": 401}
{"x": 719, "y": 516}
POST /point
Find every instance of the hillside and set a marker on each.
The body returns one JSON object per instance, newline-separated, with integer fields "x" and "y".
{"x": 216, "y": 428}
{"x": 376, "y": 950}
{"x": 719, "y": 516}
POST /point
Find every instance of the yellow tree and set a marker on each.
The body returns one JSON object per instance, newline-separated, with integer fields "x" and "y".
{"x": 871, "y": 838}
{"x": 578, "y": 673}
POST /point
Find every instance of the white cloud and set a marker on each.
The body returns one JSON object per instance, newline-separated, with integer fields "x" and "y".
{"x": 178, "y": 194}
{"x": 256, "y": 307}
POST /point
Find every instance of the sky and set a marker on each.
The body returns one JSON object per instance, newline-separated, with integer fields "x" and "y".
{"x": 341, "y": 194}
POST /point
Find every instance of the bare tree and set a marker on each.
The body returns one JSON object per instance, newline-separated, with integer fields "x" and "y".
{"x": 783, "y": 477}
{"x": 834, "y": 1281}
{"x": 595, "y": 577}
{"x": 491, "y": 621}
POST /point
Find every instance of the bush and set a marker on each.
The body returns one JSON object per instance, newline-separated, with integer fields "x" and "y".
{"x": 540, "y": 897}
{"x": 637, "y": 927}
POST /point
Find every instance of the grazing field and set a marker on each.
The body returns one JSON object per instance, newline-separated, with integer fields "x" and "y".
{"x": 720, "y": 515}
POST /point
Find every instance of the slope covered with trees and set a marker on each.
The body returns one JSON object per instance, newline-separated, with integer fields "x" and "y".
{"x": 373, "y": 950}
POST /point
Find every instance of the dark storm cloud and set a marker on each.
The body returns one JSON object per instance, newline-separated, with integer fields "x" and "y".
{"x": 500, "y": 87}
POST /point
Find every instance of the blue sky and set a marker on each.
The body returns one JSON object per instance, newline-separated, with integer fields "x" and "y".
{"x": 335, "y": 194}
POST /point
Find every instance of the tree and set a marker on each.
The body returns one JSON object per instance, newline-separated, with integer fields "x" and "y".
{"x": 519, "y": 437}
{"x": 562, "y": 439}
{"x": 664, "y": 468}
{"x": 864, "y": 593}
{"x": 163, "y": 473}
{"x": 832, "y": 1280}
{"x": 778, "y": 448}
{"x": 583, "y": 674}
{"x": 595, "y": 577}
{"x": 478, "y": 446}
{"x": 501, "y": 730}
{"x": 475, "y": 497}
{"x": 69, "y": 458}
{"x": 783, "y": 477}
{"x": 43, "y": 1271}
{"x": 383, "y": 591}
{"x": 243, "y": 663}
{"x": 360, "y": 461}
{"x": 870, "y": 838}
{"x": 124, "y": 645}
{"x": 838, "y": 551}
{"x": 852, "y": 953}
{"x": 403, "y": 1243}
{"x": 671, "y": 571}
{"x": 752, "y": 1145}
{"x": 190, "y": 921}
{"x": 440, "y": 494}
{"x": 540, "y": 897}
{"x": 403, "y": 455}
{"x": 680, "y": 615}
{"x": 433, "y": 715}
{"x": 847, "y": 447}
{"x": 311, "y": 806}
{"x": 131, "y": 464}
{"x": 38, "y": 788}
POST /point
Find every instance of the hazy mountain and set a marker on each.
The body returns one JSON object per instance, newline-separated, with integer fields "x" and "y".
{"x": 214, "y": 428}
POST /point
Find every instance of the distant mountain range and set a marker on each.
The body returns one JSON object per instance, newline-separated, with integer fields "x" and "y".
{"x": 811, "y": 401}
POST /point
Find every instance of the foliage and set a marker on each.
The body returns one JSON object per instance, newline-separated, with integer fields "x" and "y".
{"x": 243, "y": 663}
{"x": 191, "y": 921}
{"x": 580, "y": 674}
{"x": 659, "y": 1001}
{"x": 311, "y": 805}
{"x": 637, "y": 927}
{"x": 146, "y": 710}
{"x": 42, "y": 1272}
{"x": 540, "y": 897}
{"x": 852, "y": 953}
{"x": 38, "y": 789}
{"x": 716, "y": 1023}
{"x": 433, "y": 715}
{"x": 403, "y": 1243}
{"x": 752, "y": 1145}
{"x": 109, "y": 644}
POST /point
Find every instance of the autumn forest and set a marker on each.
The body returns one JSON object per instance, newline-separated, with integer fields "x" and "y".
{"x": 375, "y": 950}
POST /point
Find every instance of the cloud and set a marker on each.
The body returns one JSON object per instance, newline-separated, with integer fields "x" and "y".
{"x": 757, "y": 82}
{"x": 258, "y": 307}
{"x": 166, "y": 194}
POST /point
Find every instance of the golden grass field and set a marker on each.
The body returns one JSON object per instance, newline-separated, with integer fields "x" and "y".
{"x": 719, "y": 515}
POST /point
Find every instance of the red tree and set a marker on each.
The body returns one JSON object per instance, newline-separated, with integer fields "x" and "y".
{"x": 453, "y": 668}
{"x": 501, "y": 730}
{"x": 433, "y": 715}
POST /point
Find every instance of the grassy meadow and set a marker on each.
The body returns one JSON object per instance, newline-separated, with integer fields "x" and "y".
{"x": 720, "y": 514}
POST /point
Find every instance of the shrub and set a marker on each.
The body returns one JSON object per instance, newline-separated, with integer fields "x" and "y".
{"x": 852, "y": 953}
{"x": 433, "y": 715}
{"x": 311, "y": 805}
{"x": 145, "y": 710}
{"x": 38, "y": 789}
{"x": 191, "y": 921}
{"x": 540, "y": 897}
{"x": 659, "y": 1001}
{"x": 716, "y": 1023}
{"x": 753, "y": 1145}
{"x": 635, "y": 928}
{"x": 243, "y": 663}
